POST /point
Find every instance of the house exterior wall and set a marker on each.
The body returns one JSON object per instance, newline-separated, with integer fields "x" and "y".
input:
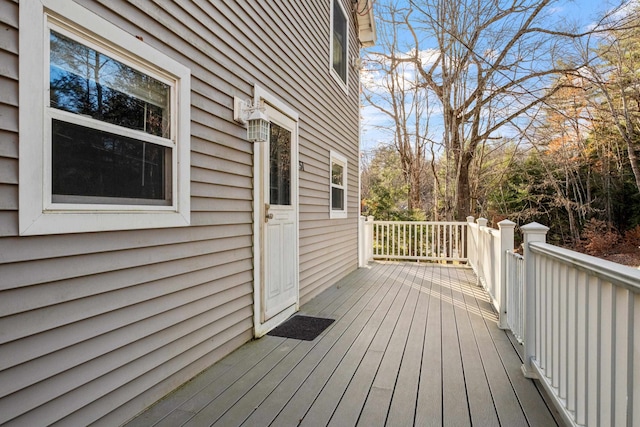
{"x": 94, "y": 327}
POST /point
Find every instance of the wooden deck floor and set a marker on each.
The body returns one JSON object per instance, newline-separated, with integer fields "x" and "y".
{"x": 413, "y": 344}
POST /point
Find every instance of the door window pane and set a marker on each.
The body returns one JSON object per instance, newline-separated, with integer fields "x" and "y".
{"x": 280, "y": 166}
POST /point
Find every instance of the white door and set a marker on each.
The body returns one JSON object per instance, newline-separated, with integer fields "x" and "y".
{"x": 280, "y": 227}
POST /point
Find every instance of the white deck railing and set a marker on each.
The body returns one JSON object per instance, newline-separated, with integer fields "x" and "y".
{"x": 582, "y": 336}
{"x": 577, "y": 316}
{"x": 515, "y": 294}
{"x": 419, "y": 241}
{"x": 487, "y": 256}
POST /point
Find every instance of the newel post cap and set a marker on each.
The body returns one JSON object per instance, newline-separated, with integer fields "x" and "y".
{"x": 534, "y": 228}
{"x": 505, "y": 223}
{"x": 482, "y": 222}
{"x": 470, "y": 218}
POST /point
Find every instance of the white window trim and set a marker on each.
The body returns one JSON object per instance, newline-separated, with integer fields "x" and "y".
{"x": 343, "y": 84}
{"x": 37, "y": 215}
{"x": 338, "y": 158}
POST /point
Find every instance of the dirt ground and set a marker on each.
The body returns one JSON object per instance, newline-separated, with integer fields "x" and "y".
{"x": 632, "y": 259}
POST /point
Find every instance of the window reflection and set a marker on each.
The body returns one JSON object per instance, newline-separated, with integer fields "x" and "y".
{"x": 280, "y": 166}
{"x": 87, "y": 82}
{"x": 87, "y": 162}
{"x": 336, "y": 174}
{"x": 339, "y": 41}
{"x": 337, "y": 198}
{"x": 337, "y": 187}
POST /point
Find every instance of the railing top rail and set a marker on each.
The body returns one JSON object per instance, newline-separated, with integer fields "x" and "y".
{"x": 514, "y": 254}
{"x": 617, "y": 274}
{"x": 422, "y": 222}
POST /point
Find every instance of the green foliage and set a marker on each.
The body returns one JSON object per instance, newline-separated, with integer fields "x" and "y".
{"x": 385, "y": 191}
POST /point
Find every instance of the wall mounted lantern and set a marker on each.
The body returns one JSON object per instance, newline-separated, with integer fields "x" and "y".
{"x": 254, "y": 116}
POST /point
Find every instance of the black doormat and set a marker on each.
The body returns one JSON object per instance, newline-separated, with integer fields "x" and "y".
{"x": 301, "y": 328}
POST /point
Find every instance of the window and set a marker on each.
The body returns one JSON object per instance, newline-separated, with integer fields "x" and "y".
{"x": 338, "y": 186}
{"x": 279, "y": 165}
{"x": 110, "y": 150}
{"x": 339, "y": 44}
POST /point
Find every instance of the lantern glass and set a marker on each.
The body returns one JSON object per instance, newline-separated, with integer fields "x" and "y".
{"x": 258, "y": 130}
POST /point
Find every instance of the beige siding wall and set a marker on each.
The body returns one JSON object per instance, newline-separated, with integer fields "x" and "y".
{"x": 95, "y": 327}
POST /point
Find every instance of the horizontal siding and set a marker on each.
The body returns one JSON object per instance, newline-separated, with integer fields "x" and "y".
{"x": 113, "y": 349}
{"x": 8, "y": 168}
{"x": 95, "y": 327}
{"x": 8, "y": 120}
{"x": 8, "y": 144}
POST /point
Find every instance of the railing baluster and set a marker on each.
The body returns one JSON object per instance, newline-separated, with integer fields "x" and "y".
{"x": 388, "y": 238}
{"x": 540, "y": 311}
{"x": 404, "y": 239}
{"x": 606, "y": 354}
{"x": 434, "y": 241}
{"x": 593, "y": 350}
{"x": 623, "y": 300}
{"x": 633, "y": 408}
{"x": 571, "y": 333}
{"x": 555, "y": 325}
{"x": 582, "y": 348}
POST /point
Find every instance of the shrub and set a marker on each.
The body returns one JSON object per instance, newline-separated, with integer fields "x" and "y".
{"x": 631, "y": 239}
{"x": 599, "y": 238}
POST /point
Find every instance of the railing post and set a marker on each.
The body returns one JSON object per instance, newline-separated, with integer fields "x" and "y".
{"x": 471, "y": 243}
{"x": 533, "y": 232}
{"x": 361, "y": 241}
{"x": 368, "y": 240}
{"x": 480, "y": 253}
{"x": 506, "y": 228}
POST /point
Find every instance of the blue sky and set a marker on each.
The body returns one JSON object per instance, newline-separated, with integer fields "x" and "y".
{"x": 582, "y": 12}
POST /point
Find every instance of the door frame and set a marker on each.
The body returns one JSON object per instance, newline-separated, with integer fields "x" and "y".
{"x": 259, "y": 327}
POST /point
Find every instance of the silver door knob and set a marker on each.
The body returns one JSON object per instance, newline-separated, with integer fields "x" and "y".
{"x": 267, "y": 215}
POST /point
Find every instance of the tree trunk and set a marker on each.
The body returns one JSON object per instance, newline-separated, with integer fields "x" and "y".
{"x": 415, "y": 187}
{"x": 634, "y": 160}
{"x": 463, "y": 193}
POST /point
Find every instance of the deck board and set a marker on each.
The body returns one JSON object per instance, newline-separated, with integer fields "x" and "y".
{"x": 455, "y": 406}
{"x": 429, "y": 400}
{"x": 353, "y": 400}
{"x": 403, "y": 403}
{"x": 481, "y": 404}
{"x": 333, "y": 392}
{"x": 413, "y": 344}
{"x": 274, "y": 402}
{"x": 378, "y": 401}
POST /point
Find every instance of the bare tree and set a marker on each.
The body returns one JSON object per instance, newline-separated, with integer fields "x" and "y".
{"x": 485, "y": 63}
{"x": 615, "y": 73}
{"x": 392, "y": 87}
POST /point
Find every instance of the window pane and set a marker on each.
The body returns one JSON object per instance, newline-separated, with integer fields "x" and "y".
{"x": 337, "y": 199}
{"x": 87, "y": 82}
{"x": 87, "y": 162}
{"x": 339, "y": 41}
{"x": 336, "y": 174}
{"x": 280, "y": 166}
